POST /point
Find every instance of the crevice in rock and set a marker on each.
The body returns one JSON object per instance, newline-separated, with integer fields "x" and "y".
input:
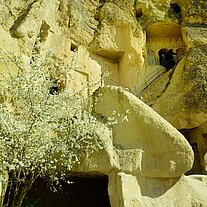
{"x": 204, "y": 135}
{"x": 54, "y": 90}
{"x": 196, "y": 147}
{"x": 61, "y": 6}
{"x": 44, "y": 31}
{"x": 139, "y": 13}
{"x": 97, "y": 14}
{"x": 175, "y": 11}
{"x": 175, "y": 8}
{"x": 197, "y": 164}
{"x": 98, "y": 10}
{"x": 20, "y": 19}
{"x": 102, "y": 2}
{"x": 186, "y": 131}
{"x": 73, "y": 47}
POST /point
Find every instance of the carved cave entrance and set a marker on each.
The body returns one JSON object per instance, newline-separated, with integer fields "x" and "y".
{"x": 81, "y": 191}
{"x": 161, "y": 37}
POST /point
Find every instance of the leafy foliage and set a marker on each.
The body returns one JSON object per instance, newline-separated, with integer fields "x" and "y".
{"x": 45, "y": 127}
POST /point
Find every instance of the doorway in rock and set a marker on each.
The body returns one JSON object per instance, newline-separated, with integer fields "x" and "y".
{"x": 162, "y": 53}
{"x": 77, "y": 192}
{"x": 167, "y": 58}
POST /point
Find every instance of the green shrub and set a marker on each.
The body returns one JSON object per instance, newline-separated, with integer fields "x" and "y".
{"x": 45, "y": 128}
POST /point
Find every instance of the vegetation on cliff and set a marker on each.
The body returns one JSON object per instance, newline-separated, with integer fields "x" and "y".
{"x": 45, "y": 128}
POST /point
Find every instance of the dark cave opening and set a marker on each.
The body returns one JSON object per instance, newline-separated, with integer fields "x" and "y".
{"x": 73, "y": 47}
{"x": 197, "y": 164}
{"x": 175, "y": 7}
{"x": 54, "y": 90}
{"x": 102, "y": 1}
{"x": 77, "y": 192}
{"x": 139, "y": 13}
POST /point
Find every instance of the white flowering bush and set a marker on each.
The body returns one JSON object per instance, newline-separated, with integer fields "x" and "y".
{"x": 45, "y": 128}
{"x": 117, "y": 118}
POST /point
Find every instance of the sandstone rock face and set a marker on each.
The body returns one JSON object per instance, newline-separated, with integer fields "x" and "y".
{"x": 144, "y": 157}
{"x": 134, "y": 191}
{"x": 193, "y": 11}
{"x": 137, "y": 145}
{"x": 144, "y": 138}
{"x": 186, "y": 92}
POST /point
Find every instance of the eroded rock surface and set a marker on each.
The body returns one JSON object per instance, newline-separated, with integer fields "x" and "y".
{"x": 137, "y": 191}
{"x": 127, "y": 38}
{"x": 186, "y": 93}
{"x": 144, "y": 138}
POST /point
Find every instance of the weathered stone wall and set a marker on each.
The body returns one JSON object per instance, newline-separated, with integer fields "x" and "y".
{"x": 124, "y": 37}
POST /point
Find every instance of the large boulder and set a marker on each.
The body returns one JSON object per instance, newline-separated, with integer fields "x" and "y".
{"x": 146, "y": 144}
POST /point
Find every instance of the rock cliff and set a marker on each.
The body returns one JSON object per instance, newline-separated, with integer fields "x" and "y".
{"x": 146, "y": 157}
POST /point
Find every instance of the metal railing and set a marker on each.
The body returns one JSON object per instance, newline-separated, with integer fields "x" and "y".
{"x": 155, "y": 75}
{"x": 146, "y": 82}
{"x": 149, "y": 80}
